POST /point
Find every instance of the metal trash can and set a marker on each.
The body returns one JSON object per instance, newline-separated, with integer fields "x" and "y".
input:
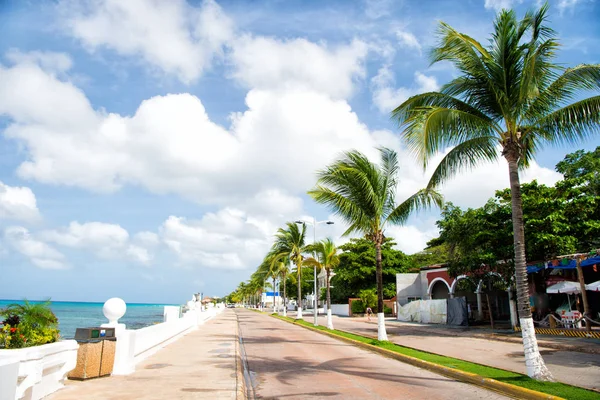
{"x": 96, "y": 353}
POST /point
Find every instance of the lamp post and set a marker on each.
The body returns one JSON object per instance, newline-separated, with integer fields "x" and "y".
{"x": 314, "y": 224}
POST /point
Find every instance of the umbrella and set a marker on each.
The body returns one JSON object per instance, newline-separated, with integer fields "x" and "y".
{"x": 594, "y": 286}
{"x": 567, "y": 287}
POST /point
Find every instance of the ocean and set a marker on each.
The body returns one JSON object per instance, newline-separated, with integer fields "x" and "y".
{"x": 72, "y": 315}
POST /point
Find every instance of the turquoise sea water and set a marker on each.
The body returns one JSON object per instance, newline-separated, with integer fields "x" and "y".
{"x": 72, "y": 315}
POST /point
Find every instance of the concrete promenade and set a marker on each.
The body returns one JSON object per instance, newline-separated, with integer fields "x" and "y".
{"x": 200, "y": 365}
{"x": 574, "y": 368}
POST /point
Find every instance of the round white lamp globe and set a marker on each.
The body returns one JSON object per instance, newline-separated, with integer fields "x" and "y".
{"x": 114, "y": 309}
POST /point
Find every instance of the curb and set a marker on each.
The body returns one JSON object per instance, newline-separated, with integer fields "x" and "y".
{"x": 241, "y": 392}
{"x": 487, "y": 383}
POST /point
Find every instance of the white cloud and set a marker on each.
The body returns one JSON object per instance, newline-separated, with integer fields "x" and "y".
{"x": 498, "y": 5}
{"x": 386, "y": 97}
{"x": 170, "y": 145}
{"x": 407, "y": 39}
{"x": 18, "y": 203}
{"x": 271, "y": 64}
{"x": 39, "y": 253}
{"x": 108, "y": 241}
{"x": 47, "y": 60}
{"x": 411, "y": 239}
{"x": 173, "y": 36}
{"x": 146, "y": 239}
{"x": 564, "y": 5}
{"x": 376, "y": 9}
{"x": 226, "y": 240}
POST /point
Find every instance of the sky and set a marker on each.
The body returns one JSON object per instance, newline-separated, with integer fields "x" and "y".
{"x": 150, "y": 149}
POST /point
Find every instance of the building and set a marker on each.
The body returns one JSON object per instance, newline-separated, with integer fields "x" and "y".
{"x": 434, "y": 283}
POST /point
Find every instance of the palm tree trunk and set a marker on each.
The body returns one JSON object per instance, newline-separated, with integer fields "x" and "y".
{"x": 274, "y": 308}
{"x": 381, "y": 332}
{"x": 284, "y": 296}
{"x": 329, "y": 319}
{"x": 487, "y": 298}
{"x": 584, "y": 298}
{"x": 299, "y": 314}
{"x": 536, "y": 368}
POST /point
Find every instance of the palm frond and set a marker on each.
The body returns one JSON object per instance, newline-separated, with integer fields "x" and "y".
{"x": 438, "y": 128}
{"x": 570, "y": 124}
{"x": 423, "y": 199}
{"x": 568, "y": 86}
{"x": 465, "y": 155}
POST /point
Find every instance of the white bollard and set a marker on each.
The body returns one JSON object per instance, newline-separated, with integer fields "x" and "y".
{"x": 113, "y": 310}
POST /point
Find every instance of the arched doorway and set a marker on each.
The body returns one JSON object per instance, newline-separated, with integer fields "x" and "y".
{"x": 439, "y": 289}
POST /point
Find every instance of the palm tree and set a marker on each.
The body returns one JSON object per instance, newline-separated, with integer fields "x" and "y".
{"x": 363, "y": 195}
{"x": 290, "y": 243}
{"x": 510, "y": 97}
{"x": 326, "y": 257}
{"x": 282, "y": 270}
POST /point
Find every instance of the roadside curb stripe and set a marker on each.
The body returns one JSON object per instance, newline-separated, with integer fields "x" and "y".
{"x": 487, "y": 383}
{"x": 564, "y": 332}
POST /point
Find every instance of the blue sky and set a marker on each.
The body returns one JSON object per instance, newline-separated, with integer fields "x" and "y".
{"x": 149, "y": 150}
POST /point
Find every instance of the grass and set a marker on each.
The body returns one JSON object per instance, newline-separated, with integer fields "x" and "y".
{"x": 513, "y": 378}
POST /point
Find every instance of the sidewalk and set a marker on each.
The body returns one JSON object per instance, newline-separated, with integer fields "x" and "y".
{"x": 574, "y": 368}
{"x": 201, "y": 365}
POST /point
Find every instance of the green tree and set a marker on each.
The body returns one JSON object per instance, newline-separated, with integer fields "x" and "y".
{"x": 581, "y": 190}
{"x": 363, "y": 194}
{"x": 357, "y": 261}
{"x": 327, "y": 257}
{"x": 509, "y": 95}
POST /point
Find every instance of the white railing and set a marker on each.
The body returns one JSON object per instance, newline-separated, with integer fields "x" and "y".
{"x": 35, "y": 372}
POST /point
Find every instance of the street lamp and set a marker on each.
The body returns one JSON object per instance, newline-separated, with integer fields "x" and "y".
{"x": 314, "y": 224}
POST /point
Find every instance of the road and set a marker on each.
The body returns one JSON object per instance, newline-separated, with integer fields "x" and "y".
{"x": 290, "y": 362}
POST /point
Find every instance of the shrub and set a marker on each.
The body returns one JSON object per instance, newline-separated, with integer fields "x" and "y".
{"x": 358, "y": 307}
{"x": 368, "y": 298}
{"x": 28, "y": 324}
{"x": 387, "y": 310}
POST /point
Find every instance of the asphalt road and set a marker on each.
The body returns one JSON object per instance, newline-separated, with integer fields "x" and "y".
{"x": 289, "y": 362}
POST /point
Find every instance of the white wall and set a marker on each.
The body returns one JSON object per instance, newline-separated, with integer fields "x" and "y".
{"x": 340, "y": 309}
{"x": 39, "y": 370}
{"x": 408, "y": 285}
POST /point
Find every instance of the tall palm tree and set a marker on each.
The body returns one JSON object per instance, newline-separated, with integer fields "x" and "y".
{"x": 290, "y": 243}
{"x": 363, "y": 194}
{"x": 282, "y": 270}
{"x": 510, "y": 99}
{"x": 327, "y": 257}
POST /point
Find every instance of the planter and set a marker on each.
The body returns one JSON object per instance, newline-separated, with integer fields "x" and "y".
{"x": 40, "y": 370}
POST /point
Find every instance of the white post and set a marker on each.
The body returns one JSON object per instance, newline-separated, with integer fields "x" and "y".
{"x": 513, "y": 308}
{"x": 113, "y": 310}
{"x": 9, "y": 374}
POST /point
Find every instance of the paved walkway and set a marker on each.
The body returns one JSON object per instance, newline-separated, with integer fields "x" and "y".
{"x": 290, "y": 362}
{"x": 200, "y": 365}
{"x": 574, "y": 368}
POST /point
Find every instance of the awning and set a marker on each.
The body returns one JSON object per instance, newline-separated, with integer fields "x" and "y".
{"x": 594, "y": 286}
{"x": 567, "y": 287}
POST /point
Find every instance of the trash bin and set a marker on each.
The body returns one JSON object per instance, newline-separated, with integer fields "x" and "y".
{"x": 96, "y": 353}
